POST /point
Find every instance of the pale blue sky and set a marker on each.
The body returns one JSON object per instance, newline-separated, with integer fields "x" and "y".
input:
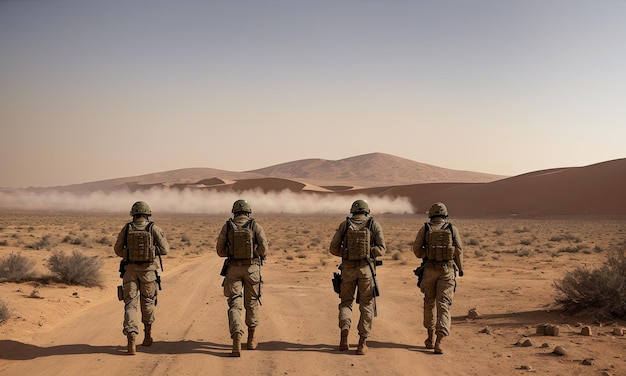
{"x": 94, "y": 90}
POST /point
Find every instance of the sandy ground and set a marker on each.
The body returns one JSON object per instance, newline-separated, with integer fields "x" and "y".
{"x": 511, "y": 265}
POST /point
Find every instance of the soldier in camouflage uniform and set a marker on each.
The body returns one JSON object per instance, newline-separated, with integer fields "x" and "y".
{"x": 358, "y": 274}
{"x": 242, "y": 277}
{"x": 139, "y": 277}
{"x": 439, "y": 275}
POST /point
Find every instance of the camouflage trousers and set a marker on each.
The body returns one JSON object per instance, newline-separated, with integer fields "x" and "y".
{"x": 140, "y": 288}
{"x": 242, "y": 286}
{"x": 438, "y": 287}
{"x": 352, "y": 277}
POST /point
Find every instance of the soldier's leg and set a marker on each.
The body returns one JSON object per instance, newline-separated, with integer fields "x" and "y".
{"x": 429, "y": 288}
{"x": 366, "y": 304}
{"x": 445, "y": 293}
{"x": 233, "y": 291}
{"x": 346, "y": 294}
{"x": 131, "y": 301}
{"x": 148, "y": 296}
{"x": 251, "y": 292}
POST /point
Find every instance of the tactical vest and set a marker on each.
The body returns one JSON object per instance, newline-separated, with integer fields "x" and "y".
{"x": 439, "y": 243}
{"x": 140, "y": 243}
{"x": 356, "y": 240}
{"x": 241, "y": 244}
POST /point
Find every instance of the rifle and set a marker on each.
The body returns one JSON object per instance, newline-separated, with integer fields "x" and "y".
{"x": 261, "y": 258}
{"x": 419, "y": 272}
{"x": 376, "y": 291}
{"x": 337, "y": 280}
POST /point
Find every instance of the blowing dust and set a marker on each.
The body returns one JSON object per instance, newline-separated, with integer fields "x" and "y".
{"x": 201, "y": 201}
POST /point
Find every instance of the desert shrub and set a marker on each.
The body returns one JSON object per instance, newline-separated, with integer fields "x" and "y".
{"x": 45, "y": 242}
{"x": 522, "y": 230}
{"x": 4, "y": 243}
{"x": 76, "y": 269}
{"x": 473, "y": 241}
{"x": 479, "y": 253}
{"x": 186, "y": 239}
{"x": 104, "y": 241}
{"x": 16, "y": 268}
{"x": 4, "y": 312}
{"x": 568, "y": 237}
{"x": 572, "y": 249}
{"x": 498, "y": 232}
{"x": 526, "y": 241}
{"x": 600, "y": 291}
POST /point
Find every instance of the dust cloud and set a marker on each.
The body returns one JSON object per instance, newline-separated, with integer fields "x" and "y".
{"x": 201, "y": 201}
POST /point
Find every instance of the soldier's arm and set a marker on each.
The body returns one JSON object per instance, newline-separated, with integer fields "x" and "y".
{"x": 222, "y": 240}
{"x": 161, "y": 240}
{"x": 418, "y": 243}
{"x": 335, "y": 243}
{"x": 262, "y": 244}
{"x": 379, "y": 247}
{"x": 458, "y": 251}
{"x": 119, "y": 243}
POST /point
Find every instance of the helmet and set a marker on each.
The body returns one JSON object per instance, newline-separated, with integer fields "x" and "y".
{"x": 360, "y": 206}
{"x": 140, "y": 207}
{"x": 438, "y": 209}
{"x": 241, "y": 206}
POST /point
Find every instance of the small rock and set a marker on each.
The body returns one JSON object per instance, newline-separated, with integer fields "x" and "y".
{"x": 486, "y": 330}
{"x": 553, "y": 330}
{"x": 618, "y": 331}
{"x": 526, "y": 368}
{"x": 544, "y": 345}
{"x": 527, "y": 343}
{"x": 473, "y": 314}
{"x": 35, "y": 294}
{"x": 559, "y": 350}
{"x": 586, "y": 331}
{"x": 541, "y": 329}
{"x": 587, "y": 362}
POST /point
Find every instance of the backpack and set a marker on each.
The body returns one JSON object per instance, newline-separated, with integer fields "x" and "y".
{"x": 356, "y": 240}
{"x": 139, "y": 243}
{"x": 439, "y": 243}
{"x": 242, "y": 245}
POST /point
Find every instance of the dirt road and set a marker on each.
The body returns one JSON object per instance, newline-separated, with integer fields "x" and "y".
{"x": 299, "y": 334}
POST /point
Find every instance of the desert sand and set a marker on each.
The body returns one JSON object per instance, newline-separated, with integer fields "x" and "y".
{"x": 511, "y": 265}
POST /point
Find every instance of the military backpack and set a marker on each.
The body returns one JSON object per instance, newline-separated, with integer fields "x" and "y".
{"x": 139, "y": 243}
{"x": 439, "y": 243}
{"x": 356, "y": 240}
{"x": 241, "y": 245}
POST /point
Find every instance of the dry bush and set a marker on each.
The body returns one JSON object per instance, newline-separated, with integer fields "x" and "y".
{"x": 4, "y": 312}
{"x": 16, "y": 268}
{"x": 600, "y": 291}
{"x": 46, "y": 242}
{"x": 76, "y": 269}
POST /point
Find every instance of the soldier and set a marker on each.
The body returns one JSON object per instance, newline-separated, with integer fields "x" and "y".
{"x": 242, "y": 240}
{"x": 358, "y": 241}
{"x": 139, "y": 243}
{"x": 439, "y": 244}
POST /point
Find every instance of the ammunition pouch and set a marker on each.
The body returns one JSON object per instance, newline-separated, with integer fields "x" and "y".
{"x": 336, "y": 282}
{"x": 224, "y": 268}
{"x": 120, "y": 293}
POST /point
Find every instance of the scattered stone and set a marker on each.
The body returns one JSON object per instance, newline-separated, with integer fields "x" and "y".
{"x": 526, "y": 368}
{"x": 559, "y": 350}
{"x": 545, "y": 345}
{"x": 588, "y": 362}
{"x": 618, "y": 331}
{"x": 473, "y": 314}
{"x": 586, "y": 331}
{"x": 486, "y": 330}
{"x": 35, "y": 294}
{"x": 527, "y": 343}
{"x": 541, "y": 329}
{"x": 553, "y": 330}
{"x": 75, "y": 295}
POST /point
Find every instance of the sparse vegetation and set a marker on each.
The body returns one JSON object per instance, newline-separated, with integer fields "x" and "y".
{"x": 76, "y": 269}
{"x": 4, "y": 312}
{"x": 600, "y": 291}
{"x": 16, "y": 268}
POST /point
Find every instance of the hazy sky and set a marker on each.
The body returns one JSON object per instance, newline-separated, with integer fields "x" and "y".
{"x": 94, "y": 90}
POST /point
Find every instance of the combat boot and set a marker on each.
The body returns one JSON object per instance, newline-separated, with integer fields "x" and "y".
{"x": 430, "y": 341}
{"x": 131, "y": 348}
{"x": 438, "y": 349}
{"x": 251, "y": 344}
{"x": 147, "y": 339}
{"x": 343, "y": 344}
{"x": 362, "y": 347}
{"x": 236, "y": 345}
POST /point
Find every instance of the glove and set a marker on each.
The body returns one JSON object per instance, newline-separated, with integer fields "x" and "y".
{"x": 460, "y": 273}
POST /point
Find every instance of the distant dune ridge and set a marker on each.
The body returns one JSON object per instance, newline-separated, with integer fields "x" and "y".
{"x": 598, "y": 189}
